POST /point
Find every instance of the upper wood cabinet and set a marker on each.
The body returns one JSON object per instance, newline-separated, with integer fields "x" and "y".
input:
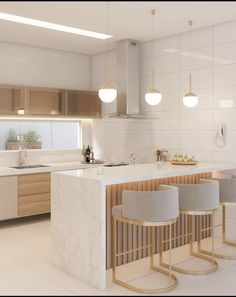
{"x": 45, "y": 102}
{"x": 50, "y": 102}
{"x": 11, "y": 100}
{"x": 83, "y": 103}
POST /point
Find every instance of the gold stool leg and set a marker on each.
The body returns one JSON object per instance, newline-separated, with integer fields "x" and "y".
{"x": 190, "y": 221}
{"x": 224, "y": 223}
{"x": 195, "y": 254}
{"x": 113, "y": 249}
{"x": 212, "y": 237}
{"x": 230, "y": 243}
{"x": 150, "y": 244}
{"x": 172, "y": 277}
{"x": 170, "y": 247}
{"x": 160, "y": 245}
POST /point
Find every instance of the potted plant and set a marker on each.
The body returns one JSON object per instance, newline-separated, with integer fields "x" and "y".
{"x": 29, "y": 140}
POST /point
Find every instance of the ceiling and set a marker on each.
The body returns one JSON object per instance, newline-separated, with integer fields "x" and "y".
{"x": 126, "y": 20}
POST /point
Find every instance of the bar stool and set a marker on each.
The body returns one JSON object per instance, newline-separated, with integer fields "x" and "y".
{"x": 148, "y": 209}
{"x": 197, "y": 200}
{"x": 227, "y": 198}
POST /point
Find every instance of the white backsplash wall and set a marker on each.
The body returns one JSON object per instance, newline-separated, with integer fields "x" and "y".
{"x": 35, "y": 66}
{"x": 190, "y": 131}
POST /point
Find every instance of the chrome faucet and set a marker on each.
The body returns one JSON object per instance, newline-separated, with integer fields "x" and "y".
{"x": 21, "y": 160}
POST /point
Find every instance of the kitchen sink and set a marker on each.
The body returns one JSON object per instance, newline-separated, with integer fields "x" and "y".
{"x": 29, "y": 166}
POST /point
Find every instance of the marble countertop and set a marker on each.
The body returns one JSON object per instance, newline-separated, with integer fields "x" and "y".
{"x": 8, "y": 171}
{"x": 138, "y": 172}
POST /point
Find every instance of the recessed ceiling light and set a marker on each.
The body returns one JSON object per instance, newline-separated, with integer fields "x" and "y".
{"x": 51, "y": 26}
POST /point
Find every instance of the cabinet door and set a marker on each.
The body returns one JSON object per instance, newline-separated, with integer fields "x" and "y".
{"x": 8, "y": 197}
{"x": 45, "y": 102}
{"x": 11, "y": 100}
{"x": 83, "y": 103}
{"x": 34, "y": 194}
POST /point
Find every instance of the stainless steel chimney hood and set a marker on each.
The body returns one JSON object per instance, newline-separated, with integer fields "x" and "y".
{"x": 128, "y": 77}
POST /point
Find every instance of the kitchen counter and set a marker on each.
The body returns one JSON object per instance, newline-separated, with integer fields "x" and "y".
{"x": 148, "y": 171}
{"x": 8, "y": 171}
{"x": 81, "y": 211}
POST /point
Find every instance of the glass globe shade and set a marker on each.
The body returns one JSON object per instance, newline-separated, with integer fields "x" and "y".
{"x": 190, "y": 100}
{"x": 153, "y": 97}
{"x": 107, "y": 94}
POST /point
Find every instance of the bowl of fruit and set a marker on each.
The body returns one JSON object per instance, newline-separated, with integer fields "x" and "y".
{"x": 180, "y": 159}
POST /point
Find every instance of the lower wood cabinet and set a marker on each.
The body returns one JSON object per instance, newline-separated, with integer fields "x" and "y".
{"x": 34, "y": 193}
{"x": 8, "y": 197}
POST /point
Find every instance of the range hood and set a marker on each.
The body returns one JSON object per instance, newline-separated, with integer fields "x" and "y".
{"x": 128, "y": 77}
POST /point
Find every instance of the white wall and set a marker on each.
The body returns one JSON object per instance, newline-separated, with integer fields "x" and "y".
{"x": 190, "y": 131}
{"x": 26, "y": 65}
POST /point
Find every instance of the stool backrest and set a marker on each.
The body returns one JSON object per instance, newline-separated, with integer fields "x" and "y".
{"x": 198, "y": 197}
{"x": 151, "y": 206}
{"x": 227, "y": 189}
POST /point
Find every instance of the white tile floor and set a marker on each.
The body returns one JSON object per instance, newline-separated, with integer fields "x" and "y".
{"x": 25, "y": 268}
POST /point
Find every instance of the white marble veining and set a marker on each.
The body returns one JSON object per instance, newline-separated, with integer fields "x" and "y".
{"x": 78, "y": 228}
{"x": 78, "y": 213}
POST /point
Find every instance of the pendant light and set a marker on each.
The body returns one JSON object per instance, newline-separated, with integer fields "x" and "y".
{"x": 107, "y": 93}
{"x": 190, "y": 99}
{"x": 153, "y": 96}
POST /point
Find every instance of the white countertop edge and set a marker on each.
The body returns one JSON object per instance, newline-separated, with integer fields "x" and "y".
{"x": 8, "y": 171}
{"x": 164, "y": 172}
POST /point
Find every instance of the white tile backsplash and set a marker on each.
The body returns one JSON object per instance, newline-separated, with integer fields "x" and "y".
{"x": 225, "y": 53}
{"x": 201, "y": 79}
{"x": 225, "y": 75}
{"x": 225, "y": 32}
{"x": 199, "y": 38}
{"x": 191, "y": 131}
{"x": 196, "y": 140}
{"x": 200, "y": 58}
{"x": 196, "y": 119}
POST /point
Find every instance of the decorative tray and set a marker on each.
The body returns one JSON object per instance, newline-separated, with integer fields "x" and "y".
{"x": 184, "y": 163}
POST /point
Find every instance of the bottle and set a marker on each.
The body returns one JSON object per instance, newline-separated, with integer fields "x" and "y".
{"x": 92, "y": 160}
{"x": 87, "y": 158}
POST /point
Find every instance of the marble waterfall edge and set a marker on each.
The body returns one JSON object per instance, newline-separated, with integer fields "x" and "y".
{"x": 78, "y": 228}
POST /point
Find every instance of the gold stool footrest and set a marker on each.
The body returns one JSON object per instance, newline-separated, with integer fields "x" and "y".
{"x": 195, "y": 272}
{"x": 217, "y": 255}
{"x": 170, "y": 287}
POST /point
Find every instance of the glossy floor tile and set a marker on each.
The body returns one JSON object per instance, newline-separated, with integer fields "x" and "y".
{"x": 26, "y": 267}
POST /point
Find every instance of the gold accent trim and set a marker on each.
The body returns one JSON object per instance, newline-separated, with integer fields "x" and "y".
{"x": 197, "y": 213}
{"x": 224, "y": 240}
{"x": 145, "y": 223}
{"x": 171, "y": 276}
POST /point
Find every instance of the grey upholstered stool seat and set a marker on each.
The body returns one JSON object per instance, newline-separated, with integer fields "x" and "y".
{"x": 149, "y": 206}
{"x": 227, "y": 189}
{"x": 198, "y": 197}
{"x": 148, "y": 209}
{"x": 196, "y": 200}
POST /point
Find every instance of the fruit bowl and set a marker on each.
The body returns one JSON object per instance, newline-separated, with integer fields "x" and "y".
{"x": 184, "y": 163}
{"x": 180, "y": 159}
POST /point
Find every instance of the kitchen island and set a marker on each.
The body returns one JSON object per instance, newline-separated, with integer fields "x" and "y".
{"x": 81, "y": 214}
